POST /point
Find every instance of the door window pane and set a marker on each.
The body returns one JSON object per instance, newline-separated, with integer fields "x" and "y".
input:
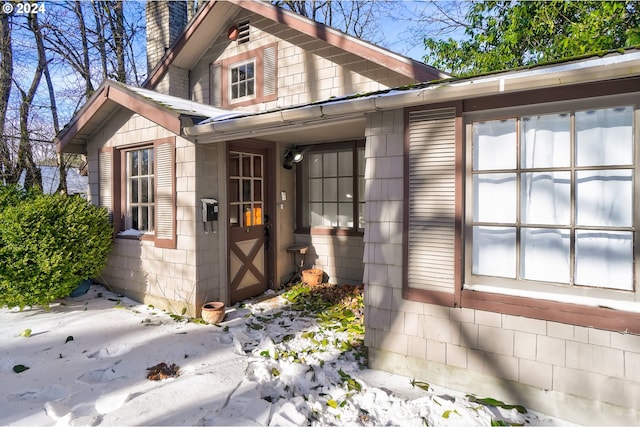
{"x": 234, "y": 164}
{"x": 257, "y": 190}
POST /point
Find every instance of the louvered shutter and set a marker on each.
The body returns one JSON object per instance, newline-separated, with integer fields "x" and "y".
{"x": 269, "y": 70}
{"x": 165, "y": 227}
{"x": 432, "y": 200}
{"x": 105, "y": 186}
{"x": 215, "y": 85}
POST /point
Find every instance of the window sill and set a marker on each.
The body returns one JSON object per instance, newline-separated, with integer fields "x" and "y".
{"x": 562, "y": 312}
{"x": 134, "y": 235}
{"x": 588, "y": 301}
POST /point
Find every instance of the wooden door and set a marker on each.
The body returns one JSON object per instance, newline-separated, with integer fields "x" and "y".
{"x": 248, "y": 223}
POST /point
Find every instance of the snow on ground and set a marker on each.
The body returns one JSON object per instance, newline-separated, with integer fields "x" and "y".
{"x": 88, "y": 360}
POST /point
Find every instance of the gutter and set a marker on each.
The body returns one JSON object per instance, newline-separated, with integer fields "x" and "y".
{"x": 599, "y": 69}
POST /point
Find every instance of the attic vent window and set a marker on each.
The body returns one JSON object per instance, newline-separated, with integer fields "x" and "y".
{"x": 243, "y": 32}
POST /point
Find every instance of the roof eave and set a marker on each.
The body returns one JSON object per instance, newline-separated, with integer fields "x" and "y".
{"x": 599, "y": 69}
{"x": 179, "y": 55}
{"x": 108, "y": 96}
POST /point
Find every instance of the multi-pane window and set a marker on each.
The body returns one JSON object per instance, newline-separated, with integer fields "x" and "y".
{"x": 246, "y": 190}
{"x": 552, "y": 198}
{"x": 243, "y": 80}
{"x": 140, "y": 189}
{"x": 334, "y": 188}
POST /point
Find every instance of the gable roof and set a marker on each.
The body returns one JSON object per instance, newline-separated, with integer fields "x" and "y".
{"x": 167, "y": 111}
{"x": 344, "y": 114}
{"x": 212, "y": 19}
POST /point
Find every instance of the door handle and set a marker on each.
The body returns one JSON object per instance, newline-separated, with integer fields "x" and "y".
{"x": 267, "y": 236}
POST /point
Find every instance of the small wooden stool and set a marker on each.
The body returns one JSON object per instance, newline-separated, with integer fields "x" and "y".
{"x": 298, "y": 252}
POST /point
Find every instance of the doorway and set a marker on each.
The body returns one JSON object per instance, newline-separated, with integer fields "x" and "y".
{"x": 249, "y": 226}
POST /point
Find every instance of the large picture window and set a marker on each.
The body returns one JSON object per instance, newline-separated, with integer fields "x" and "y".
{"x": 332, "y": 187}
{"x": 140, "y": 189}
{"x": 552, "y": 199}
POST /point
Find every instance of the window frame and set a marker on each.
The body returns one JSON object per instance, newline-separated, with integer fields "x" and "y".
{"x": 553, "y": 291}
{"x": 302, "y": 195}
{"x": 127, "y": 190}
{"x": 247, "y": 96}
{"x": 224, "y": 66}
{"x": 572, "y": 312}
{"x": 114, "y": 176}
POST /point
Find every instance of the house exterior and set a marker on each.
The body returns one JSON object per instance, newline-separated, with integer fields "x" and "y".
{"x": 491, "y": 219}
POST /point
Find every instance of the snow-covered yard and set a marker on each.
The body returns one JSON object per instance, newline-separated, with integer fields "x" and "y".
{"x": 85, "y": 362}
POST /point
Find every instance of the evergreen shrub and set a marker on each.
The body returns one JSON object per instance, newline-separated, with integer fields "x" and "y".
{"x": 48, "y": 245}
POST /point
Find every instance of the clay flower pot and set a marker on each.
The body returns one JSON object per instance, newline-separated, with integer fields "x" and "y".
{"x": 213, "y": 312}
{"x": 312, "y": 276}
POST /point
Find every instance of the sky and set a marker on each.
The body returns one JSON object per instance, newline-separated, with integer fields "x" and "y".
{"x": 86, "y": 361}
{"x": 400, "y": 31}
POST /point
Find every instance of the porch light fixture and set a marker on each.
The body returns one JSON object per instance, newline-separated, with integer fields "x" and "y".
{"x": 291, "y": 157}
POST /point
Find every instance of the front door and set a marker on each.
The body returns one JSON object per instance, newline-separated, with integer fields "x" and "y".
{"x": 248, "y": 223}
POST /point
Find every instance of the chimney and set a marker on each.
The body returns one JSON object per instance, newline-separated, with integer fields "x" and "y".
{"x": 166, "y": 19}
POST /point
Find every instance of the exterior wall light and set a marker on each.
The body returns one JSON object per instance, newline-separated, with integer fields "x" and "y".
{"x": 291, "y": 157}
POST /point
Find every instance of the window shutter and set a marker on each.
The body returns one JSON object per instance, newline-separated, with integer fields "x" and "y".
{"x": 165, "y": 226}
{"x": 105, "y": 176}
{"x": 215, "y": 85}
{"x": 269, "y": 70}
{"x": 431, "y": 258}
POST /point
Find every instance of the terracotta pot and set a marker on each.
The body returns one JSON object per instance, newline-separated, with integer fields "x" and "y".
{"x": 213, "y": 312}
{"x": 312, "y": 276}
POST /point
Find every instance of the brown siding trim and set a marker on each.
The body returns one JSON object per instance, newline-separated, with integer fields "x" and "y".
{"x": 70, "y": 132}
{"x": 556, "y": 94}
{"x": 459, "y": 205}
{"x": 430, "y": 297}
{"x": 145, "y": 109}
{"x": 412, "y": 69}
{"x": 572, "y": 314}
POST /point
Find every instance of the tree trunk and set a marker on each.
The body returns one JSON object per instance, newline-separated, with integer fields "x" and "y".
{"x": 33, "y": 175}
{"x": 6, "y": 75}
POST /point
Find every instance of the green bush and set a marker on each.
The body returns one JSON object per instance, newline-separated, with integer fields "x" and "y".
{"x": 11, "y": 195}
{"x": 48, "y": 245}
